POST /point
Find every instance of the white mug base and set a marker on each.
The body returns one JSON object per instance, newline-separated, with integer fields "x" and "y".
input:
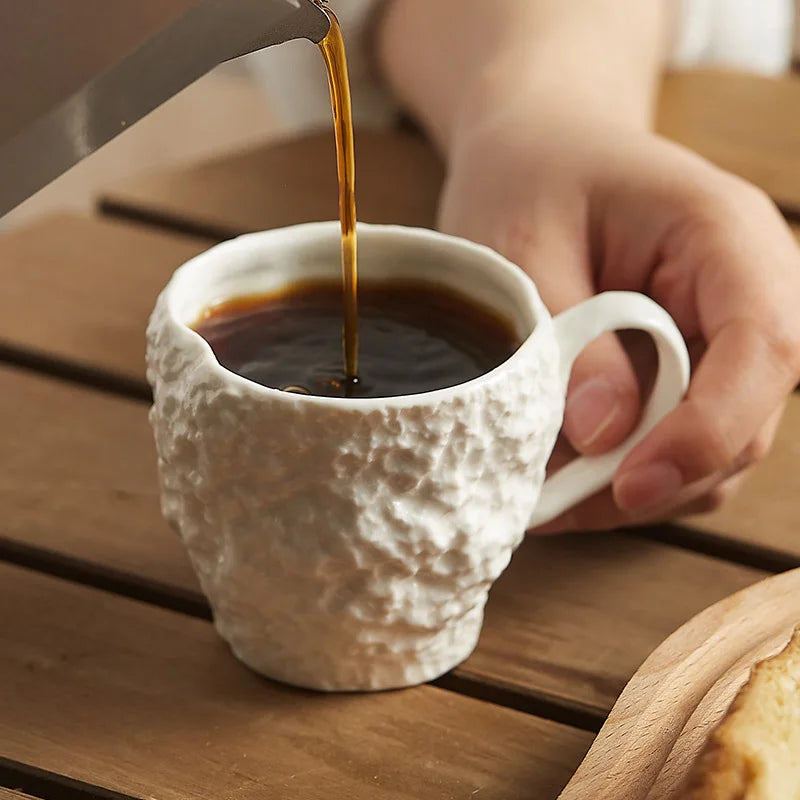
{"x": 355, "y": 672}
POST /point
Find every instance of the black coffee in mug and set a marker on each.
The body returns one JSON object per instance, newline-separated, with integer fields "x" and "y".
{"x": 414, "y": 337}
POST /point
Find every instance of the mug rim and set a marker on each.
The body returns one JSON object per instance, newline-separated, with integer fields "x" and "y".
{"x": 525, "y": 286}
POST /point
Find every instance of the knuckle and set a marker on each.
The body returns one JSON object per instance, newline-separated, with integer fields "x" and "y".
{"x": 725, "y": 210}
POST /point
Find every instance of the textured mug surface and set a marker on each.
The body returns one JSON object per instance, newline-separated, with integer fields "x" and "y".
{"x": 350, "y": 544}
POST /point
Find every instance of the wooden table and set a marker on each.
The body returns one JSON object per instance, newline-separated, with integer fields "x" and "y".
{"x": 113, "y": 683}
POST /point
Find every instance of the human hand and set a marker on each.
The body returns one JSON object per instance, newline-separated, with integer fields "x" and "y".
{"x": 584, "y": 206}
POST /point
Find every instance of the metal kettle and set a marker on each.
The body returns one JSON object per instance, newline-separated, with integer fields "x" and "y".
{"x": 75, "y": 73}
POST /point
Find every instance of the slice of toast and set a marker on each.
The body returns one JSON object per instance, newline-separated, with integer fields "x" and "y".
{"x": 754, "y": 752}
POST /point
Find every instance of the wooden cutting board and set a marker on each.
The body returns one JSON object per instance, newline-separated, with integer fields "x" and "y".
{"x": 663, "y": 717}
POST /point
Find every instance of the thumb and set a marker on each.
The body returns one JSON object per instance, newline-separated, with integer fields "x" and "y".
{"x": 602, "y": 398}
{"x": 602, "y": 403}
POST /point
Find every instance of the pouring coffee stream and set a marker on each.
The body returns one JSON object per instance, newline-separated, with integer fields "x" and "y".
{"x": 333, "y": 53}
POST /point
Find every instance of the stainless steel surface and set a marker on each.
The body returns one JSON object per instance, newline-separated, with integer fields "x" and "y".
{"x": 75, "y": 73}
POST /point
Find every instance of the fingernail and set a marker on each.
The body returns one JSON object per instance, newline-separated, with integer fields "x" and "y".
{"x": 590, "y": 409}
{"x": 646, "y": 486}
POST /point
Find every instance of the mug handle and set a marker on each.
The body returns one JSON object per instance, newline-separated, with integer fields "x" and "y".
{"x": 574, "y": 329}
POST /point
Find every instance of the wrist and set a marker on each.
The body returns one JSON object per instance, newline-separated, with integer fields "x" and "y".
{"x": 548, "y": 84}
{"x": 455, "y": 63}
{"x": 543, "y": 128}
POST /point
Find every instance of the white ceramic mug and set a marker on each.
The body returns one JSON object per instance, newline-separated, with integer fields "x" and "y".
{"x": 350, "y": 544}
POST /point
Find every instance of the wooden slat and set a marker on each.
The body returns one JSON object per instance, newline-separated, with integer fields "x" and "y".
{"x": 747, "y": 124}
{"x": 11, "y": 794}
{"x": 561, "y": 624}
{"x": 288, "y": 182}
{"x": 78, "y": 476}
{"x": 82, "y": 290}
{"x": 574, "y": 616}
{"x": 147, "y": 702}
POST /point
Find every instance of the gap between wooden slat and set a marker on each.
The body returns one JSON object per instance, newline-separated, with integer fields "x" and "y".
{"x": 87, "y": 573}
{"x": 92, "y": 377}
{"x": 164, "y": 221}
{"x": 542, "y": 705}
{"x": 712, "y": 544}
{"x": 50, "y": 785}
